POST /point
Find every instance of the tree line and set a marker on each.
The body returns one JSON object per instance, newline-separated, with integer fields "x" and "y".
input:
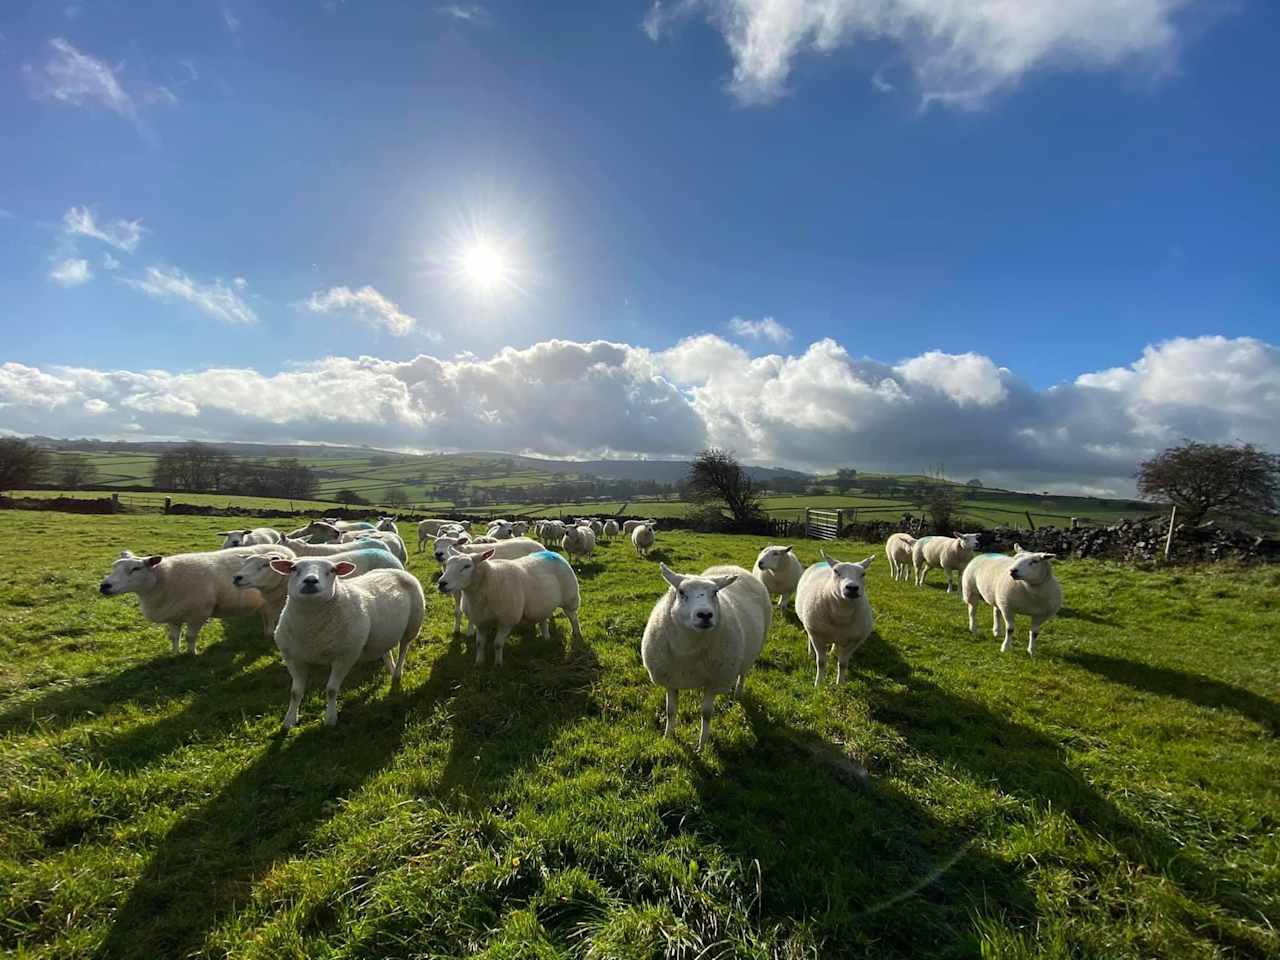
{"x": 197, "y": 468}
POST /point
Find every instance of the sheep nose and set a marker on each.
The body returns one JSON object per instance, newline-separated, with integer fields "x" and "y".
{"x": 1013, "y": 574}
{"x": 104, "y": 588}
{"x": 443, "y": 586}
{"x": 704, "y": 616}
{"x": 851, "y": 592}
{"x": 237, "y": 579}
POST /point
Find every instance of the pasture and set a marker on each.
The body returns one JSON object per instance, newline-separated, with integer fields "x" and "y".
{"x": 1115, "y": 797}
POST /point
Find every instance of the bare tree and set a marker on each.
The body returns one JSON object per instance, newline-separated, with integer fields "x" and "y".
{"x": 76, "y": 471}
{"x": 716, "y": 477}
{"x": 1232, "y": 479}
{"x": 21, "y": 463}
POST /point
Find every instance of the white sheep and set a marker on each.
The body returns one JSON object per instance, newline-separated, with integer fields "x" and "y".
{"x": 610, "y": 529}
{"x": 579, "y": 542}
{"x": 629, "y": 525}
{"x": 642, "y": 538}
{"x": 1023, "y": 583}
{"x": 187, "y": 589}
{"x": 249, "y": 538}
{"x": 832, "y": 604}
{"x": 500, "y": 530}
{"x": 898, "y": 550}
{"x": 519, "y": 528}
{"x": 387, "y": 525}
{"x": 705, "y": 633}
{"x": 498, "y": 595}
{"x": 256, "y": 572}
{"x": 392, "y": 540}
{"x": 304, "y": 548}
{"x": 502, "y": 550}
{"x": 779, "y": 569}
{"x": 950, "y": 553}
{"x": 333, "y": 622}
{"x": 428, "y": 530}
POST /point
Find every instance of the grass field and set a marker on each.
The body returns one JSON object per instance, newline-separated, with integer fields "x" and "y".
{"x": 1115, "y": 797}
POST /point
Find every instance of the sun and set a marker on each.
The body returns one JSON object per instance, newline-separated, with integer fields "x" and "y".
{"x": 483, "y": 266}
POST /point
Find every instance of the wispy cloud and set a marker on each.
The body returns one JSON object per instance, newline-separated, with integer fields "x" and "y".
{"x": 366, "y": 304}
{"x": 217, "y": 299}
{"x": 109, "y": 262}
{"x": 469, "y": 12}
{"x": 765, "y": 328}
{"x": 71, "y": 273}
{"x": 880, "y": 83}
{"x": 71, "y": 76}
{"x": 230, "y": 19}
{"x": 122, "y": 234}
{"x": 961, "y": 52}
{"x": 160, "y": 94}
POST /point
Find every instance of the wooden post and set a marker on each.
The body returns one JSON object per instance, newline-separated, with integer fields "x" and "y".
{"x": 806, "y": 521}
{"x": 1168, "y": 540}
{"x": 1031, "y": 523}
{"x": 168, "y": 502}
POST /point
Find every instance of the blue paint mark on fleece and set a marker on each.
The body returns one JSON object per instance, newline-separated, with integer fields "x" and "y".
{"x": 548, "y": 555}
{"x": 380, "y": 558}
{"x": 822, "y": 563}
{"x": 988, "y": 556}
{"x": 360, "y": 525}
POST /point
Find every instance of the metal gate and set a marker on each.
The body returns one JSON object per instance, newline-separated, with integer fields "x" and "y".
{"x": 822, "y": 524}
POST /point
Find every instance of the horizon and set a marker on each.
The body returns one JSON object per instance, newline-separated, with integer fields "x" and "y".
{"x": 865, "y": 233}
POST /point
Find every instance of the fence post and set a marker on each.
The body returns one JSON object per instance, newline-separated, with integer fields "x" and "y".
{"x": 806, "y": 521}
{"x": 1031, "y": 523}
{"x": 1168, "y": 540}
{"x": 168, "y": 502}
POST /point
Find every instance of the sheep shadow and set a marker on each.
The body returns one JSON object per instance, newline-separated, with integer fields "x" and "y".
{"x": 588, "y": 569}
{"x": 1070, "y": 613}
{"x": 146, "y": 684}
{"x": 868, "y": 867}
{"x": 1191, "y": 687}
{"x": 1025, "y": 763}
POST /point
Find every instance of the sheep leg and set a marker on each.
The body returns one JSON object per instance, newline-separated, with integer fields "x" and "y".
{"x": 298, "y": 675}
{"x": 499, "y": 641}
{"x": 479, "y": 645}
{"x": 268, "y": 625}
{"x": 193, "y": 631}
{"x": 573, "y": 622}
{"x": 820, "y": 654}
{"x": 1035, "y": 635}
{"x": 457, "y": 612}
{"x": 545, "y": 628}
{"x": 1008, "y": 631}
{"x": 337, "y": 673}
{"x": 948, "y": 573}
{"x": 672, "y": 698}
{"x": 842, "y": 664}
{"x": 708, "y": 705}
{"x": 919, "y": 572}
{"x": 389, "y": 663}
{"x": 175, "y": 635}
{"x": 996, "y": 623}
{"x": 973, "y": 627}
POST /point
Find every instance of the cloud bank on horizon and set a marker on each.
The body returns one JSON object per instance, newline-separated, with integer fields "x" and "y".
{"x": 815, "y": 409}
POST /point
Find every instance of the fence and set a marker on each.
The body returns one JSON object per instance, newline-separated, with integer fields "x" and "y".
{"x": 823, "y": 524}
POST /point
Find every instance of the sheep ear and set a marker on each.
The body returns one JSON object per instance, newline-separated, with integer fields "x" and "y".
{"x": 126, "y": 554}
{"x": 1049, "y": 556}
{"x": 957, "y": 535}
{"x": 669, "y": 575}
{"x": 487, "y": 555}
{"x": 1017, "y": 548}
{"x": 344, "y": 568}
{"x": 827, "y": 559}
{"x": 722, "y": 582}
{"x": 282, "y": 566}
{"x": 787, "y": 548}
{"x": 867, "y": 562}
{"x": 224, "y": 533}
{"x": 153, "y": 560}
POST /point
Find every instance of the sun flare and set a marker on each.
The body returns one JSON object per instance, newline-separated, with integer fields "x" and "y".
{"x": 483, "y": 266}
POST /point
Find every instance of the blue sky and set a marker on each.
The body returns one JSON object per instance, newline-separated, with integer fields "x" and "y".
{"x": 1016, "y": 200}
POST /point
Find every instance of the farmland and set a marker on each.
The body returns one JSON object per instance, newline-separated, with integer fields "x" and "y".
{"x": 1115, "y": 797}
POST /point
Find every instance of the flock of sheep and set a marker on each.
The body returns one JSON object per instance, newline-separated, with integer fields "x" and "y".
{"x": 334, "y": 593}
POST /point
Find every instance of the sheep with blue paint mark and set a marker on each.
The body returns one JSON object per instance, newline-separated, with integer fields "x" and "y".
{"x": 502, "y": 550}
{"x": 391, "y": 540}
{"x": 1023, "y": 583}
{"x": 304, "y": 548}
{"x": 951, "y": 554}
{"x": 832, "y": 604}
{"x": 499, "y": 595}
{"x": 780, "y": 570}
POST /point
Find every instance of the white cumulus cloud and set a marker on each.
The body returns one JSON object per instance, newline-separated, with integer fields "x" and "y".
{"x": 71, "y": 272}
{"x": 216, "y": 299}
{"x": 765, "y": 328}
{"x": 960, "y": 51}
{"x": 368, "y": 305}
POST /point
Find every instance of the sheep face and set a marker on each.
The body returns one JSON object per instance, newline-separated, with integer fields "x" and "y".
{"x": 697, "y": 605}
{"x": 386, "y": 523}
{"x": 970, "y": 540}
{"x": 234, "y": 538}
{"x": 256, "y": 570}
{"x": 848, "y": 580}
{"x": 772, "y": 557}
{"x": 443, "y": 545}
{"x": 130, "y": 574}
{"x": 1032, "y": 567}
{"x": 313, "y": 578}
{"x": 459, "y": 570}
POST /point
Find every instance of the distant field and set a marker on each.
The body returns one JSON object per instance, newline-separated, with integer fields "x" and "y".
{"x": 148, "y": 499}
{"x": 1116, "y": 797}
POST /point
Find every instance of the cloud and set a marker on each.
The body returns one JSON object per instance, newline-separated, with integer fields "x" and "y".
{"x": 230, "y": 19}
{"x": 469, "y": 12}
{"x": 160, "y": 94}
{"x": 816, "y": 408}
{"x": 368, "y": 305}
{"x": 71, "y": 272}
{"x": 77, "y": 78}
{"x": 766, "y": 328}
{"x": 959, "y": 51}
{"x": 215, "y": 299}
{"x": 122, "y": 234}
{"x": 109, "y": 262}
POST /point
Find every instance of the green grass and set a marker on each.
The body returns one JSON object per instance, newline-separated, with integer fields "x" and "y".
{"x": 1115, "y": 797}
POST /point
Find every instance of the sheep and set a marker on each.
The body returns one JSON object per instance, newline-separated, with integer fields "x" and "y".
{"x": 303, "y": 548}
{"x": 950, "y": 553}
{"x": 392, "y": 540}
{"x": 519, "y": 528}
{"x": 336, "y": 622}
{"x": 502, "y": 549}
{"x": 705, "y": 633}
{"x": 256, "y": 572}
{"x": 498, "y": 594}
{"x": 610, "y": 529}
{"x": 629, "y": 525}
{"x": 187, "y": 588}
{"x": 249, "y": 538}
{"x": 551, "y": 532}
{"x": 898, "y": 549}
{"x": 642, "y": 538}
{"x": 1023, "y": 583}
{"x": 832, "y": 604}
{"x": 387, "y": 525}
{"x": 500, "y": 530}
{"x": 579, "y": 541}
{"x": 325, "y": 531}
{"x": 597, "y": 528}
{"x": 779, "y": 569}
{"x": 428, "y": 530}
